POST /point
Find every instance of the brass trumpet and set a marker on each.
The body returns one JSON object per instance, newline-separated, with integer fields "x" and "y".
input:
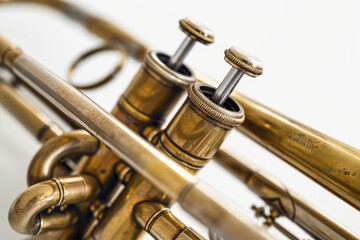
{"x": 119, "y": 177}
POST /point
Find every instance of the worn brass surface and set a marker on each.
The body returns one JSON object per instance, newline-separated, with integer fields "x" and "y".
{"x": 145, "y": 159}
{"x": 286, "y": 203}
{"x": 153, "y": 93}
{"x": 333, "y": 164}
{"x": 57, "y": 149}
{"x": 327, "y": 161}
{"x": 291, "y": 141}
{"x": 199, "y": 128}
{"x": 158, "y": 220}
{"x": 35, "y": 121}
{"x": 146, "y": 102}
{"x": 24, "y": 212}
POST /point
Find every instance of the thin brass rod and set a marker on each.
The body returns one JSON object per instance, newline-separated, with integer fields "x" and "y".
{"x": 30, "y": 117}
{"x": 36, "y": 123}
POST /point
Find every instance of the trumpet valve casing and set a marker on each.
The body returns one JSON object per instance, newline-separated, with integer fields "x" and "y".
{"x": 199, "y": 128}
{"x": 153, "y": 93}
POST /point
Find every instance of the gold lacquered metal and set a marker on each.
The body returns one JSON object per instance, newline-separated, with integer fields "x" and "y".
{"x": 153, "y": 93}
{"x": 147, "y": 101}
{"x": 329, "y": 162}
{"x": 158, "y": 220}
{"x": 199, "y": 128}
{"x": 115, "y": 188}
{"x": 24, "y": 213}
{"x": 35, "y": 121}
{"x": 284, "y": 202}
{"x": 8, "y": 52}
{"x": 75, "y": 143}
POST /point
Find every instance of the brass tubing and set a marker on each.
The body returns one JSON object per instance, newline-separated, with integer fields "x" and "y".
{"x": 30, "y": 117}
{"x": 331, "y": 163}
{"x": 228, "y": 221}
{"x": 96, "y": 25}
{"x": 160, "y": 222}
{"x": 75, "y": 143}
{"x": 24, "y": 212}
{"x": 143, "y": 106}
{"x": 138, "y": 153}
{"x": 275, "y": 194}
{"x": 144, "y": 158}
{"x": 58, "y": 220}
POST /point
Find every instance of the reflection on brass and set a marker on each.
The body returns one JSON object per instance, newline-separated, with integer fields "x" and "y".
{"x": 284, "y": 202}
{"x": 24, "y": 212}
{"x": 199, "y": 128}
{"x": 137, "y": 168}
{"x": 161, "y": 223}
{"x": 333, "y": 164}
{"x": 57, "y": 149}
{"x": 327, "y": 161}
{"x": 35, "y": 121}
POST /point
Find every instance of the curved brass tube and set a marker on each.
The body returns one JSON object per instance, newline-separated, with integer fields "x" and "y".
{"x": 77, "y": 142}
{"x": 276, "y": 195}
{"x": 24, "y": 213}
{"x": 96, "y": 25}
{"x": 329, "y": 162}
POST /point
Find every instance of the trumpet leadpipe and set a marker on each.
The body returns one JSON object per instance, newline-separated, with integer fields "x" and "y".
{"x": 137, "y": 152}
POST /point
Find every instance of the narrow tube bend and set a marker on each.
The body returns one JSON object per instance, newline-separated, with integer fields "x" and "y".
{"x": 24, "y": 213}
{"x": 77, "y": 142}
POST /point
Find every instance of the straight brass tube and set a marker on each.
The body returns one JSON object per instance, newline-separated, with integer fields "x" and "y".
{"x": 30, "y": 117}
{"x": 161, "y": 224}
{"x": 288, "y": 204}
{"x": 331, "y": 163}
{"x": 138, "y": 153}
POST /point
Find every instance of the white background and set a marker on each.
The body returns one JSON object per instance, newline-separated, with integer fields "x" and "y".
{"x": 310, "y": 52}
